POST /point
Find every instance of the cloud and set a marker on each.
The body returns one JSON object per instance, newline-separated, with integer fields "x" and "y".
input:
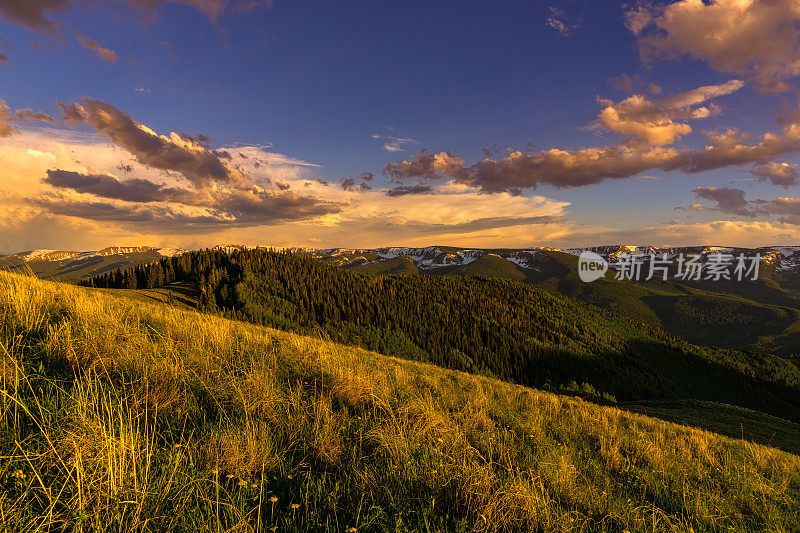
{"x": 6, "y": 128}
{"x": 518, "y": 170}
{"x": 349, "y": 184}
{"x": 32, "y": 14}
{"x": 728, "y": 200}
{"x": 783, "y": 174}
{"x": 192, "y": 160}
{"x": 106, "y": 54}
{"x": 4, "y": 58}
{"x": 562, "y": 168}
{"x": 558, "y": 20}
{"x": 756, "y": 39}
{"x": 106, "y": 186}
{"x": 29, "y": 115}
{"x": 101, "y": 204}
{"x": 392, "y": 143}
{"x": 402, "y": 190}
{"x": 654, "y": 121}
{"x": 631, "y": 84}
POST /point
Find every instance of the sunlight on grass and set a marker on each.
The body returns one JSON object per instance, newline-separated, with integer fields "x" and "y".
{"x": 124, "y": 415}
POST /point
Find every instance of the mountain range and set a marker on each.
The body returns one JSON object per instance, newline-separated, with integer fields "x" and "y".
{"x": 760, "y": 315}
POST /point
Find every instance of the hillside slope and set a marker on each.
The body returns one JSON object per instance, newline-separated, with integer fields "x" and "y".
{"x": 499, "y": 328}
{"x": 762, "y": 315}
{"x": 126, "y": 415}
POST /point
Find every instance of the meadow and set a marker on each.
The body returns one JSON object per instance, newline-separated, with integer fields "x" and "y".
{"x": 126, "y": 415}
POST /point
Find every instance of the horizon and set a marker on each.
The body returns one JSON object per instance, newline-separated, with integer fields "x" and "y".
{"x": 181, "y": 124}
{"x": 358, "y": 248}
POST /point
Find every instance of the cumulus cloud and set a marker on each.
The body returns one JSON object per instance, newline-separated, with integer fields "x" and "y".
{"x": 655, "y": 121}
{"x": 562, "y": 168}
{"x": 518, "y": 170}
{"x": 106, "y": 54}
{"x": 757, "y": 39}
{"x": 783, "y": 174}
{"x": 182, "y": 154}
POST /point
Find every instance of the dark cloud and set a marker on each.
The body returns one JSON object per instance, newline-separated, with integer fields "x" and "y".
{"x": 559, "y": 168}
{"x": 33, "y": 14}
{"x": 351, "y": 183}
{"x": 783, "y": 174}
{"x": 732, "y": 201}
{"x": 786, "y": 209}
{"x": 105, "y": 186}
{"x": 193, "y": 161}
{"x": 587, "y": 166}
{"x": 402, "y": 190}
{"x": 230, "y": 207}
{"x": 728, "y": 200}
{"x": 106, "y": 54}
{"x": 203, "y": 140}
{"x": 165, "y": 219}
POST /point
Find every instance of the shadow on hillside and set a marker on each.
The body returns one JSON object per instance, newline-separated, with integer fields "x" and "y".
{"x": 733, "y": 422}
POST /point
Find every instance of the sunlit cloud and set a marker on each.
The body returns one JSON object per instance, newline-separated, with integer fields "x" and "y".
{"x": 757, "y": 39}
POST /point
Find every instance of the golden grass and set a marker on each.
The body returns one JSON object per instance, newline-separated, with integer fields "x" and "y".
{"x": 124, "y": 415}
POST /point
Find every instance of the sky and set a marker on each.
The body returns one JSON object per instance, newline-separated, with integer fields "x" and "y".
{"x": 191, "y": 123}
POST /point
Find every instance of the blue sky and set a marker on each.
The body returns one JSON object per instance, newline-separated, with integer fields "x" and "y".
{"x": 331, "y": 83}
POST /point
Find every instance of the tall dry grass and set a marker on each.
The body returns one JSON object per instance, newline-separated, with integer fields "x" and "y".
{"x": 119, "y": 415}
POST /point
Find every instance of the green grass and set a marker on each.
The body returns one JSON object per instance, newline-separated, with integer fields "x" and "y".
{"x": 126, "y": 415}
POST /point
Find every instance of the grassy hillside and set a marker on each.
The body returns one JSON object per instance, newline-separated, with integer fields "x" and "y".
{"x": 126, "y": 415}
{"x": 73, "y": 269}
{"x": 499, "y": 328}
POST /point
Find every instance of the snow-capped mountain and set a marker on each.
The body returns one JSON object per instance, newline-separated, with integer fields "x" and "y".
{"x": 77, "y": 264}
{"x": 68, "y": 264}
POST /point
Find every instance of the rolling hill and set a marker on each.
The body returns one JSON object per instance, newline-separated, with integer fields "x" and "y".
{"x": 496, "y": 327}
{"x": 762, "y": 315}
{"x": 120, "y": 414}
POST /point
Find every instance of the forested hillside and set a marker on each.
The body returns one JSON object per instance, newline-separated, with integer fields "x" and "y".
{"x": 482, "y": 325}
